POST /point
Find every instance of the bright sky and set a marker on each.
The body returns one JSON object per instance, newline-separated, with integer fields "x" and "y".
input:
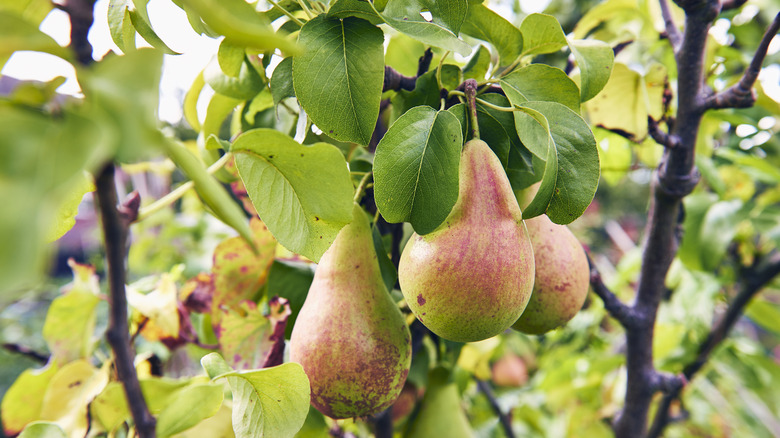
{"x": 171, "y": 25}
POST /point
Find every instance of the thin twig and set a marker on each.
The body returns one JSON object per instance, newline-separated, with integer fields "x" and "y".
{"x": 755, "y": 280}
{"x": 660, "y": 137}
{"x": 27, "y": 352}
{"x": 672, "y": 31}
{"x": 619, "y": 310}
{"x": 741, "y": 94}
{"x": 115, "y": 235}
{"x": 504, "y": 418}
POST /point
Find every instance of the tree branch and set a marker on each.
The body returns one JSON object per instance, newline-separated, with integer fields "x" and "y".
{"x": 27, "y": 351}
{"x": 612, "y": 303}
{"x": 659, "y": 136}
{"x": 741, "y": 94}
{"x": 505, "y": 419}
{"x": 756, "y": 278}
{"x": 731, "y": 4}
{"x": 115, "y": 235}
{"x": 672, "y": 31}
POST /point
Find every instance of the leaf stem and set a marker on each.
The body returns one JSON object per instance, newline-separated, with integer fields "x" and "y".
{"x": 470, "y": 87}
{"x": 484, "y": 102}
{"x": 362, "y": 186}
{"x": 286, "y": 12}
{"x": 306, "y": 9}
{"x": 178, "y": 192}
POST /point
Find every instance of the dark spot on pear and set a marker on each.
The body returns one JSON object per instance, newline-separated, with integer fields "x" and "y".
{"x": 270, "y": 157}
{"x": 301, "y": 154}
{"x": 357, "y": 266}
{"x": 74, "y": 384}
{"x": 420, "y": 300}
{"x": 316, "y": 218}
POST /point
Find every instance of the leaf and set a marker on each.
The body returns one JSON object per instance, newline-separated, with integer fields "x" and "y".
{"x": 162, "y": 395}
{"x": 17, "y": 34}
{"x": 595, "y": 60}
{"x": 42, "y": 429}
{"x": 245, "y": 85}
{"x": 69, "y": 393}
{"x": 219, "y": 107}
{"x": 404, "y": 16}
{"x": 120, "y": 25}
{"x": 290, "y": 280}
{"x": 624, "y": 103}
{"x": 302, "y": 193}
{"x": 239, "y": 272}
{"x": 140, "y": 19}
{"x": 486, "y": 25}
{"x": 541, "y": 82}
{"x": 230, "y": 58}
{"x": 541, "y": 34}
{"x": 416, "y": 168}
{"x": 347, "y": 55}
{"x": 764, "y": 313}
{"x": 573, "y": 148}
{"x": 160, "y": 306}
{"x": 70, "y": 322}
{"x": 122, "y": 96}
{"x": 192, "y": 404}
{"x": 426, "y": 92}
{"x": 478, "y": 66}
{"x": 244, "y": 336}
{"x": 66, "y": 214}
{"x": 491, "y": 132}
{"x": 386, "y": 266}
{"x": 614, "y": 155}
{"x": 718, "y": 229}
{"x": 210, "y": 190}
{"x": 272, "y": 402}
{"x": 220, "y": 425}
{"x": 191, "y": 102}
{"x": 282, "y": 81}
{"x": 354, "y": 8}
{"x": 23, "y": 401}
{"x": 239, "y": 22}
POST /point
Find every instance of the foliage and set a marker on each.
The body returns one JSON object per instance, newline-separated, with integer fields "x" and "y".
{"x": 312, "y": 112}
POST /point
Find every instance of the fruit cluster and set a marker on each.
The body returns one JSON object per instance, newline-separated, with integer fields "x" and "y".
{"x": 482, "y": 271}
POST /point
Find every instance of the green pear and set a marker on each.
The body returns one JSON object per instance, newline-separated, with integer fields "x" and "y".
{"x": 350, "y": 337}
{"x": 471, "y": 278}
{"x": 441, "y": 414}
{"x": 562, "y": 277}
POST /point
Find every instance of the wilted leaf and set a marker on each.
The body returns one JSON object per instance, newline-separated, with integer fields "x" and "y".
{"x": 69, "y": 393}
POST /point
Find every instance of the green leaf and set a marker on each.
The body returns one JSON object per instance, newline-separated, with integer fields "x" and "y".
{"x": 282, "y": 81}
{"x": 244, "y": 86}
{"x": 614, "y": 155}
{"x": 302, "y": 193}
{"x": 541, "y": 34}
{"x": 33, "y": 11}
{"x": 696, "y": 206}
{"x": 718, "y": 229}
{"x": 244, "y": 336}
{"x": 121, "y": 25}
{"x": 191, "y": 102}
{"x": 42, "y": 429}
{"x": 426, "y": 92}
{"x": 354, "y": 8}
{"x": 478, "y": 66}
{"x": 290, "y": 280}
{"x": 191, "y": 405}
{"x": 541, "y": 82}
{"x": 573, "y": 147}
{"x": 122, "y": 96}
{"x": 16, "y": 34}
{"x": 595, "y": 59}
{"x": 210, "y": 190}
{"x": 416, "y": 168}
{"x": 70, "y": 322}
{"x": 66, "y": 214}
{"x": 486, "y": 25}
{"x": 491, "y": 131}
{"x": 404, "y": 16}
{"x": 764, "y": 313}
{"x": 230, "y": 58}
{"x": 338, "y": 78}
{"x": 272, "y": 402}
{"x": 23, "y": 401}
{"x": 386, "y": 266}
{"x": 238, "y": 21}
{"x": 140, "y": 19}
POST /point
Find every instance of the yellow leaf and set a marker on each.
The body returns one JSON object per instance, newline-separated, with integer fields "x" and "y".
{"x": 69, "y": 393}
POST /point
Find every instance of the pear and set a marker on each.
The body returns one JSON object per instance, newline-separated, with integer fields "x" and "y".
{"x": 350, "y": 337}
{"x": 441, "y": 414}
{"x": 471, "y": 278}
{"x": 562, "y": 277}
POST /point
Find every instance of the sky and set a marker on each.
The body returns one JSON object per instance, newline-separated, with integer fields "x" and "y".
{"x": 179, "y": 71}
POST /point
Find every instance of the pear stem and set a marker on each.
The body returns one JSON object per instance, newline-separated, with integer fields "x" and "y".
{"x": 470, "y": 88}
{"x": 362, "y": 186}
